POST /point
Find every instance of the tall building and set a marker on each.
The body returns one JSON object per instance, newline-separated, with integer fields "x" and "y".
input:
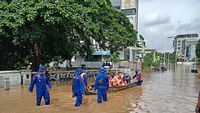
{"x": 185, "y": 46}
{"x": 130, "y": 9}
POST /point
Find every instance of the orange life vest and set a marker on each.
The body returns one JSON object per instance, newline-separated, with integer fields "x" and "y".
{"x": 82, "y": 76}
{"x": 137, "y": 76}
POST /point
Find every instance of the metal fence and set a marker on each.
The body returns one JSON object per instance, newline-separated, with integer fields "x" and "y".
{"x": 132, "y": 65}
{"x": 88, "y": 64}
{"x": 66, "y": 75}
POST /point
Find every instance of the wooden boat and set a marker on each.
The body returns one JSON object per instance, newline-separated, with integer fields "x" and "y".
{"x": 113, "y": 89}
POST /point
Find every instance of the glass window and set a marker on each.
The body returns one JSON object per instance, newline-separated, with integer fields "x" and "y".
{"x": 116, "y": 7}
{"x": 131, "y": 11}
{"x": 116, "y": 3}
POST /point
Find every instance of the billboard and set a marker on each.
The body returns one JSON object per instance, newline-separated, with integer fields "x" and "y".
{"x": 128, "y": 4}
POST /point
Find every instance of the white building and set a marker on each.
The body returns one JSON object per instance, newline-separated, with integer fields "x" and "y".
{"x": 129, "y": 8}
{"x": 185, "y": 46}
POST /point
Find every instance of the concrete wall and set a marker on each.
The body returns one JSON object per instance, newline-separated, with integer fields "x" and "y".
{"x": 185, "y": 63}
{"x": 26, "y": 77}
{"x": 14, "y": 76}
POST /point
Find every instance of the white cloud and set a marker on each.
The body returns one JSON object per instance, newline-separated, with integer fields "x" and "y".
{"x": 193, "y": 26}
{"x": 159, "y": 19}
{"x": 156, "y": 19}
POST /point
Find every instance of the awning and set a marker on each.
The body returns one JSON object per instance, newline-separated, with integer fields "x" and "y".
{"x": 103, "y": 53}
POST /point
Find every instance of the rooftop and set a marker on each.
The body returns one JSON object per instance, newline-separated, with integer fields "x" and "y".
{"x": 103, "y": 53}
{"x": 186, "y": 35}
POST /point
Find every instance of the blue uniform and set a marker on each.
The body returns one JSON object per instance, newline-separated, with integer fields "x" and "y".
{"x": 78, "y": 88}
{"x": 101, "y": 85}
{"x": 139, "y": 78}
{"x": 41, "y": 89}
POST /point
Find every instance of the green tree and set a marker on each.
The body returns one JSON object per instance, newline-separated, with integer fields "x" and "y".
{"x": 198, "y": 49}
{"x": 172, "y": 57}
{"x": 43, "y": 30}
{"x": 148, "y": 60}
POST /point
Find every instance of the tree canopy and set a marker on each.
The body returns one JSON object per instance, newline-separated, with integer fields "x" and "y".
{"x": 198, "y": 49}
{"x": 39, "y": 30}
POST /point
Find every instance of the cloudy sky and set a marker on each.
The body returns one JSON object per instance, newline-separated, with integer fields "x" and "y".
{"x": 159, "y": 19}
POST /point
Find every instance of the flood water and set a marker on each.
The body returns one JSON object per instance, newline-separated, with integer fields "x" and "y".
{"x": 173, "y": 91}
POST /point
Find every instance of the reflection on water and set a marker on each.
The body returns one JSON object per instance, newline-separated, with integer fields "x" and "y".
{"x": 174, "y": 91}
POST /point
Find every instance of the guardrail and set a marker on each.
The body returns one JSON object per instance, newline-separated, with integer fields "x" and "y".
{"x": 24, "y": 77}
{"x": 66, "y": 75}
{"x": 99, "y": 64}
{"x": 88, "y": 64}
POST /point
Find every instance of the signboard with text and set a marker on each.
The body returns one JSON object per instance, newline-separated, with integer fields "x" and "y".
{"x": 128, "y": 4}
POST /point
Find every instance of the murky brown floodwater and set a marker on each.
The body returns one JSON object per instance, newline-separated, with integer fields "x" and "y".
{"x": 168, "y": 92}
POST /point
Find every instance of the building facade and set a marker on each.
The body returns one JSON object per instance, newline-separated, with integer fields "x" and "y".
{"x": 130, "y": 9}
{"x": 185, "y": 46}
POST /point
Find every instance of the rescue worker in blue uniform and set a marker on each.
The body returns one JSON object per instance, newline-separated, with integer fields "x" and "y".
{"x": 41, "y": 80}
{"x": 139, "y": 77}
{"x": 101, "y": 85}
{"x": 78, "y": 87}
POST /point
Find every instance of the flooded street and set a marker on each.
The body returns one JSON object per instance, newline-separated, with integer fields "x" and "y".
{"x": 173, "y": 91}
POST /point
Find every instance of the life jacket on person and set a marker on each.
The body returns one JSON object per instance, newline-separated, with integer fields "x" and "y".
{"x": 123, "y": 80}
{"x": 82, "y": 74}
{"x": 114, "y": 82}
{"x": 139, "y": 74}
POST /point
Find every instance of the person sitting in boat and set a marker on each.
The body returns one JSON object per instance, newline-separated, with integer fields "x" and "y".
{"x": 128, "y": 79}
{"x": 122, "y": 79}
{"x": 116, "y": 80}
{"x": 91, "y": 87}
{"x": 113, "y": 80}
{"x": 139, "y": 77}
{"x": 111, "y": 77}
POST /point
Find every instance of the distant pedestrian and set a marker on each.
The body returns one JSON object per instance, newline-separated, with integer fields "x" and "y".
{"x": 41, "y": 81}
